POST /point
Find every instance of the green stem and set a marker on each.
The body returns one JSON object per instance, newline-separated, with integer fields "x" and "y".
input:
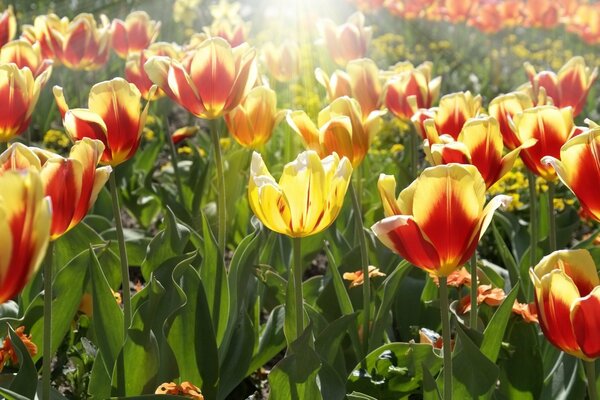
{"x": 590, "y": 374}
{"x": 364, "y": 261}
{"x": 47, "y": 339}
{"x": 414, "y": 152}
{"x": 298, "y": 297}
{"x": 174, "y": 162}
{"x": 122, "y": 253}
{"x": 473, "y": 314}
{"x": 3, "y": 146}
{"x": 533, "y": 222}
{"x": 551, "y": 217}
{"x": 221, "y": 204}
{"x": 447, "y": 345}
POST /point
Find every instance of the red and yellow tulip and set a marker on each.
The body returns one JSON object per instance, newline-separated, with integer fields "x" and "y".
{"x": 551, "y": 127}
{"x": 24, "y": 54}
{"x": 283, "y": 61}
{"x": 114, "y": 116}
{"x": 579, "y": 169}
{"x": 19, "y": 93}
{"x": 450, "y": 116}
{"x": 567, "y": 88}
{"x": 348, "y": 41}
{"x": 251, "y": 123}
{"x": 308, "y": 197}
{"x": 8, "y": 26}
{"x": 134, "y": 34}
{"x": 504, "y": 108}
{"x": 437, "y": 221}
{"x": 134, "y": 66}
{"x": 567, "y": 297}
{"x": 213, "y": 80}
{"x": 72, "y": 183}
{"x": 24, "y": 228}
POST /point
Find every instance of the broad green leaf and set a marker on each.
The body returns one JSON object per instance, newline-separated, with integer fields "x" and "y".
{"x": 563, "y": 380}
{"x": 238, "y": 357}
{"x": 74, "y": 242}
{"x": 508, "y": 260}
{"x": 338, "y": 284}
{"x": 431, "y": 391}
{"x": 328, "y": 342}
{"x": 10, "y": 395}
{"x": 494, "y": 332}
{"x": 99, "y": 386}
{"x": 25, "y": 382}
{"x": 360, "y": 396}
{"x": 272, "y": 340}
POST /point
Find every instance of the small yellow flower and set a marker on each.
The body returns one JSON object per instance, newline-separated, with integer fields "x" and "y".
{"x": 225, "y": 143}
{"x": 149, "y": 134}
{"x": 187, "y": 150}
{"x": 55, "y": 139}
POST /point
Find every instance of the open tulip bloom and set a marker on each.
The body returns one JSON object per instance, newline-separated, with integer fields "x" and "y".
{"x": 437, "y": 221}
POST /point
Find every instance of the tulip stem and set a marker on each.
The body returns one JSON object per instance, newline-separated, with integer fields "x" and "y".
{"x": 551, "y": 217}
{"x": 364, "y": 261}
{"x": 414, "y": 153}
{"x": 174, "y": 162}
{"x": 122, "y": 254}
{"x": 47, "y": 339}
{"x": 221, "y": 204}
{"x": 473, "y": 313}
{"x": 590, "y": 374}
{"x": 533, "y": 223}
{"x": 447, "y": 345}
{"x": 298, "y": 297}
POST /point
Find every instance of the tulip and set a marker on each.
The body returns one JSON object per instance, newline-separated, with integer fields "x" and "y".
{"x": 579, "y": 169}
{"x": 411, "y": 89}
{"x": 568, "y": 88}
{"x": 212, "y": 81}
{"x": 19, "y": 93}
{"x": 568, "y": 301}
{"x": 449, "y": 117}
{"x": 24, "y": 54}
{"x": 458, "y": 10}
{"x": 234, "y": 31}
{"x": 338, "y": 85}
{"x": 551, "y": 127}
{"x": 341, "y": 129}
{"x": 8, "y": 26}
{"x": 542, "y": 13}
{"x": 252, "y": 123}
{"x": 348, "y": 41}
{"x": 134, "y": 34}
{"x": 409, "y": 9}
{"x": 134, "y": 67}
{"x": 283, "y": 61}
{"x": 437, "y": 221}
{"x": 113, "y": 117}
{"x": 308, "y": 197}
{"x": 504, "y": 108}
{"x": 47, "y": 30}
{"x": 72, "y": 183}
{"x": 24, "y": 229}
{"x": 479, "y": 143}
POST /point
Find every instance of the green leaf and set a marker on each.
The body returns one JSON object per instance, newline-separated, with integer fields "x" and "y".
{"x": 394, "y": 370}
{"x": 328, "y": 343}
{"x": 10, "y": 395}
{"x": 562, "y": 378}
{"x": 338, "y": 284}
{"x": 494, "y": 332}
{"x": 360, "y": 396}
{"x": 238, "y": 357}
{"x": 25, "y": 382}
{"x": 431, "y": 391}
{"x": 272, "y": 340}
{"x": 508, "y": 260}
{"x": 74, "y": 242}
{"x": 99, "y": 386}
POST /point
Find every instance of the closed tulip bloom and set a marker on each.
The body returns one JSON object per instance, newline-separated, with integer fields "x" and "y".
{"x": 437, "y": 221}
{"x": 458, "y": 10}
{"x": 342, "y": 129}
{"x": 8, "y": 26}
{"x": 251, "y": 123}
{"x": 479, "y": 143}
{"x": 114, "y": 116}
{"x": 551, "y": 127}
{"x": 567, "y": 88}
{"x": 134, "y": 34}
{"x": 234, "y": 31}
{"x": 450, "y": 116}
{"x": 72, "y": 183}
{"x": 504, "y": 108}
{"x": 348, "y": 41}
{"x": 308, "y": 197}
{"x": 579, "y": 169}
{"x": 336, "y": 85}
{"x": 134, "y": 67}
{"x": 213, "y": 80}
{"x": 19, "y": 93}
{"x": 283, "y": 61}
{"x": 47, "y": 30}
{"x": 411, "y": 89}
{"x": 567, "y": 296}
{"x": 25, "y": 54}
{"x": 542, "y": 13}
{"x": 24, "y": 228}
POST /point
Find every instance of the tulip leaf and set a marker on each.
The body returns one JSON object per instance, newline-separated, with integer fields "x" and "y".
{"x": 271, "y": 341}
{"x": 394, "y": 370}
{"x": 508, "y": 260}
{"x": 74, "y": 242}
{"x": 25, "y": 382}
{"x": 561, "y": 375}
{"x": 99, "y": 386}
{"x": 10, "y": 395}
{"x": 338, "y": 284}
{"x": 360, "y": 396}
{"x": 431, "y": 391}
{"x": 494, "y": 332}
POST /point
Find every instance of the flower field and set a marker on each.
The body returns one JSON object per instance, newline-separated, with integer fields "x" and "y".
{"x": 335, "y": 199}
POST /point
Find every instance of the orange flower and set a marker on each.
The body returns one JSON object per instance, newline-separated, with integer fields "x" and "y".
{"x": 551, "y": 127}
{"x": 458, "y": 278}
{"x": 24, "y": 54}
{"x": 134, "y": 34}
{"x": 568, "y": 87}
{"x": 7, "y": 351}
{"x": 504, "y": 108}
{"x": 586, "y": 22}
{"x": 356, "y": 278}
{"x": 283, "y": 61}
{"x": 72, "y": 183}
{"x": 579, "y": 169}
{"x": 186, "y": 389}
{"x": 234, "y": 31}
{"x": 527, "y": 311}
{"x": 408, "y": 9}
{"x": 449, "y": 117}
{"x": 437, "y": 221}
{"x": 113, "y": 117}
{"x": 458, "y": 10}
{"x": 485, "y": 294}
{"x": 211, "y": 81}
{"x": 479, "y": 143}
{"x": 24, "y": 229}
{"x": 348, "y": 41}
{"x": 409, "y": 89}
{"x": 542, "y": 13}
{"x": 487, "y": 19}
{"x": 134, "y": 67}
{"x": 8, "y": 26}
{"x": 567, "y": 297}
{"x": 19, "y": 93}
{"x": 251, "y": 123}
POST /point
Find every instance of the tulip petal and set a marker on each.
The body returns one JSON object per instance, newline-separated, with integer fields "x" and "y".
{"x": 303, "y": 125}
{"x": 81, "y": 123}
{"x": 386, "y": 185}
{"x": 336, "y": 136}
{"x": 18, "y": 157}
{"x": 585, "y": 317}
